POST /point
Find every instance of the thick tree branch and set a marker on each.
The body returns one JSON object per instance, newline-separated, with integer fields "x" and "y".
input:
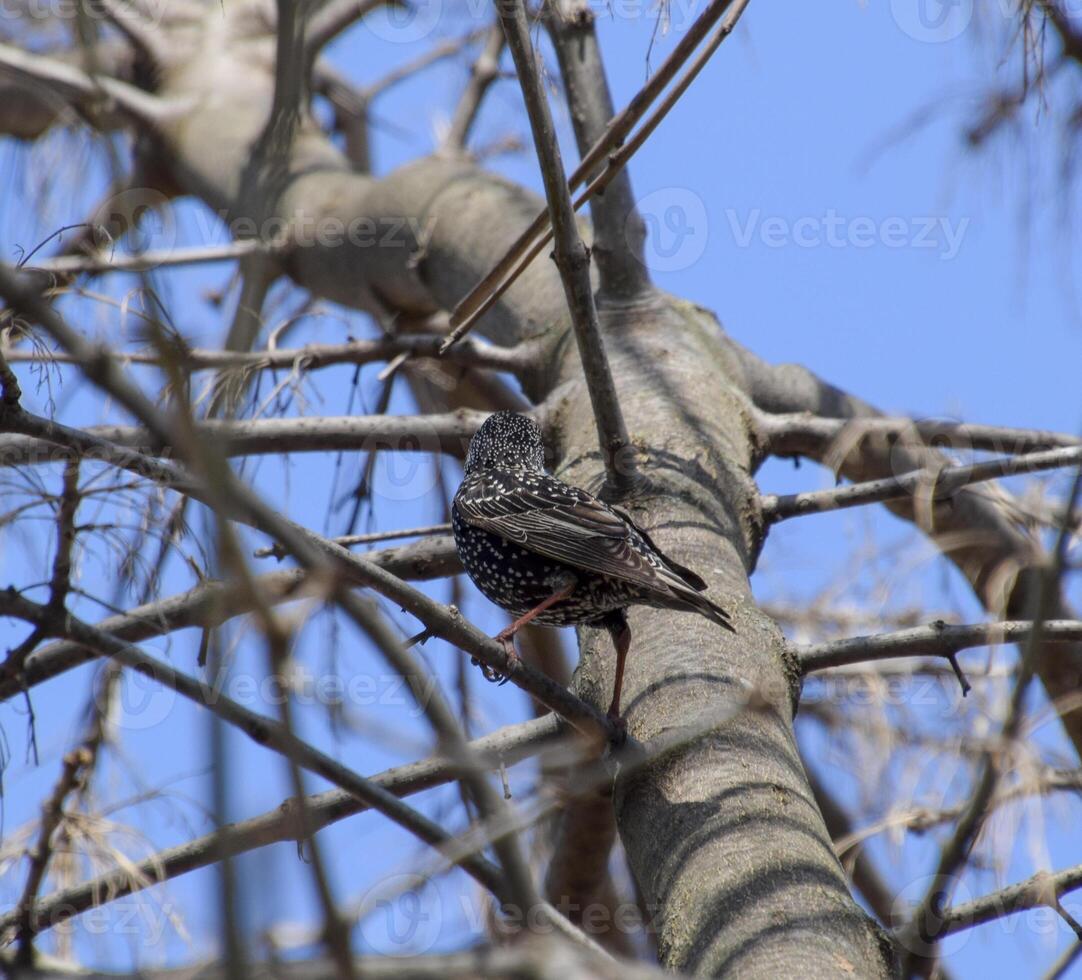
{"x": 450, "y": 434}
{"x": 932, "y": 485}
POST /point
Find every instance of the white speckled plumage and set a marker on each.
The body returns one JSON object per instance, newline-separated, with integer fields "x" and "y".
{"x": 524, "y": 535}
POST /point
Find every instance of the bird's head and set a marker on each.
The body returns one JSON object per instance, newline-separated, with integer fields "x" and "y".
{"x": 507, "y": 440}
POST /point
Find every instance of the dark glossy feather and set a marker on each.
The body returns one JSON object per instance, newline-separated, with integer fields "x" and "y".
{"x": 566, "y": 524}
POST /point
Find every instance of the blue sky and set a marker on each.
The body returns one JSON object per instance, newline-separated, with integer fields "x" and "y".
{"x": 815, "y": 190}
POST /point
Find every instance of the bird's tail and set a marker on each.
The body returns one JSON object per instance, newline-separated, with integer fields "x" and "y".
{"x": 708, "y": 608}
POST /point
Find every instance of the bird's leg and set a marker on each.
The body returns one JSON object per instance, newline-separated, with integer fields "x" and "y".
{"x": 616, "y": 623}
{"x": 506, "y": 636}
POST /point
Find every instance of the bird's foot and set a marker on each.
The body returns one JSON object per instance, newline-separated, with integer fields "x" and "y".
{"x": 505, "y": 639}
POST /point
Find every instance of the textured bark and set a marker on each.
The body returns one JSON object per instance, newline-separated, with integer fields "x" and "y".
{"x": 722, "y": 833}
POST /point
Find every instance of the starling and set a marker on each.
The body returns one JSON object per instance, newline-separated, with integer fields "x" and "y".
{"x": 553, "y": 554}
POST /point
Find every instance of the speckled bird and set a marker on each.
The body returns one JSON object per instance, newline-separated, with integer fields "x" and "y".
{"x": 553, "y": 554}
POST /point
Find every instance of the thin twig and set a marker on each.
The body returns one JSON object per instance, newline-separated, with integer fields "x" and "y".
{"x": 347, "y": 540}
{"x": 70, "y": 265}
{"x": 484, "y": 71}
{"x": 212, "y": 603}
{"x": 280, "y": 823}
{"x": 572, "y": 256}
{"x": 496, "y": 281}
{"x": 311, "y": 357}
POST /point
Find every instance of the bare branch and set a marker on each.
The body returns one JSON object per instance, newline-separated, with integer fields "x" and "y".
{"x": 71, "y": 265}
{"x": 52, "y": 814}
{"x": 1041, "y": 890}
{"x": 526, "y": 247}
{"x": 212, "y": 603}
{"x": 572, "y": 256}
{"x": 805, "y": 434}
{"x": 937, "y": 640}
{"x": 311, "y": 357}
{"x": 507, "y": 745}
{"x": 348, "y": 540}
{"x": 86, "y": 90}
{"x": 618, "y": 229}
{"x": 448, "y": 433}
{"x": 484, "y": 71}
{"x": 262, "y": 730}
{"x": 931, "y": 484}
{"x": 335, "y": 17}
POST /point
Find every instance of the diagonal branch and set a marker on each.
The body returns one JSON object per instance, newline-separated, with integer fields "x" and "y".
{"x": 610, "y": 148}
{"x": 86, "y": 90}
{"x": 507, "y": 745}
{"x": 618, "y": 229}
{"x": 215, "y": 602}
{"x": 262, "y": 730}
{"x": 572, "y": 256}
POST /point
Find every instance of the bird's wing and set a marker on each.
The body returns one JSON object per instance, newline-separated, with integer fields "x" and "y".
{"x": 567, "y": 524}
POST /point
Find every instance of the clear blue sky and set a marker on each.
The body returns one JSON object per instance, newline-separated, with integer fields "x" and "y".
{"x": 815, "y": 190}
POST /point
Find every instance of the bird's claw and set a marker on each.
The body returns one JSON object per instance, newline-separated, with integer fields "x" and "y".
{"x": 490, "y": 673}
